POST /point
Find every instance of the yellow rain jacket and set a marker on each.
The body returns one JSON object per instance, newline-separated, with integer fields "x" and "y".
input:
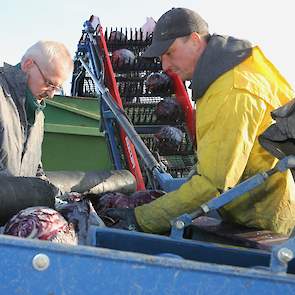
{"x": 230, "y": 116}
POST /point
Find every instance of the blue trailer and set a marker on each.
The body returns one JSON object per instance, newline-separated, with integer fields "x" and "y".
{"x": 118, "y": 261}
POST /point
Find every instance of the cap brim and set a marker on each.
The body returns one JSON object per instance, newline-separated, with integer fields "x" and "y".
{"x": 158, "y": 48}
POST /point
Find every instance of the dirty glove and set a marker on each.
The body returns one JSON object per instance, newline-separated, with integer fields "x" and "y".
{"x": 123, "y": 218}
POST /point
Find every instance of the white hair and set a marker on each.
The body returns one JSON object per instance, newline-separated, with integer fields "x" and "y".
{"x": 50, "y": 53}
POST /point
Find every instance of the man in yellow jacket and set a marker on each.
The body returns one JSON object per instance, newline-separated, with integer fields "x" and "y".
{"x": 235, "y": 87}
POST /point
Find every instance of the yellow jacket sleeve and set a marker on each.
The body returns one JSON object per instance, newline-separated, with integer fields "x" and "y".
{"x": 227, "y": 127}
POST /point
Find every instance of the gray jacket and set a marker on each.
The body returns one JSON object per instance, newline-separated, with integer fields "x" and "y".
{"x": 20, "y": 145}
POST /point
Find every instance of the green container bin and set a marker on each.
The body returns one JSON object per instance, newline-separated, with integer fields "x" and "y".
{"x": 72, "y": 138}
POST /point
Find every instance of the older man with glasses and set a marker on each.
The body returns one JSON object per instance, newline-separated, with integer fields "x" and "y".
{"x": 43, "y": 69}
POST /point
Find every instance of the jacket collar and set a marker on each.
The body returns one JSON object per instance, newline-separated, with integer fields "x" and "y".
{"x": 221, "y": 55}
{"x": 16, "y": 79}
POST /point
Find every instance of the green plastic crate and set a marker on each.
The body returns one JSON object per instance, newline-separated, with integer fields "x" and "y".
{"x": 72, "y": 138}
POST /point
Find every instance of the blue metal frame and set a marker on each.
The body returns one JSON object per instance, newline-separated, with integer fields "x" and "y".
{"x": 87, "y": 270}
{"x": 216, "y": 203}
{"x": 108, "y": 119}
{"x": 167, "y": 182}
{"x": 281, "y": 255}
{"x": 151, "y": 244}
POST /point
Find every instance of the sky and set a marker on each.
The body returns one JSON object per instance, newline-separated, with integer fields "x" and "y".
{"x": 266, "y": 23}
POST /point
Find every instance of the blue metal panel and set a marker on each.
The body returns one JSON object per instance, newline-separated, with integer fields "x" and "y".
{"x": 151, "y": 244}
{"x": 86, "y": 270}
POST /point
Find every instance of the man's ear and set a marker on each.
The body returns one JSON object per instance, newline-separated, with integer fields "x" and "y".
{"x": 27, "y": 64}
{"x": 198, "y": 42}
{"x": 196, "y": 37}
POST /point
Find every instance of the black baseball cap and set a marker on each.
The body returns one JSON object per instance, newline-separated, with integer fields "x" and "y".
{"x": 176, "y": 22}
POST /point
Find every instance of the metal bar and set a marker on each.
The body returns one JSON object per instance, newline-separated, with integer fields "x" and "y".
{"x": 231, "y": 194}
{"x": 110, "y": 133}
{"x": 103, "y": 69}
{"x": 145, "y": 154}
{"x": 244, "y": 187}
{"x": 235, "y": 192}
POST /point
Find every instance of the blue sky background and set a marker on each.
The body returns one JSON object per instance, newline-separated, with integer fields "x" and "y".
{"x": 264, "y": 22}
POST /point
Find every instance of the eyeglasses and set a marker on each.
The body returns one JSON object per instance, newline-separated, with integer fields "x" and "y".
{"x": 48, "y": 83}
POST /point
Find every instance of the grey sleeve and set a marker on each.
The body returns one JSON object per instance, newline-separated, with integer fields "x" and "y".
{"x": 3, "y": 167}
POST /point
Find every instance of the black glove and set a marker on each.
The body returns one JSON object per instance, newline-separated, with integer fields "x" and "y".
{"x": 124, "y": 218}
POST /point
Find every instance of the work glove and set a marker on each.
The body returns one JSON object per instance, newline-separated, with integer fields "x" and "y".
{"x": 123, "y": 218}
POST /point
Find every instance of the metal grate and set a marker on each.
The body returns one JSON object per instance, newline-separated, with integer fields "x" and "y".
{"x": 178, "y": 166}
{"x": 88, "y": 87}
{"x": 132, "y": 39}
{"x": 141, "y": 111}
